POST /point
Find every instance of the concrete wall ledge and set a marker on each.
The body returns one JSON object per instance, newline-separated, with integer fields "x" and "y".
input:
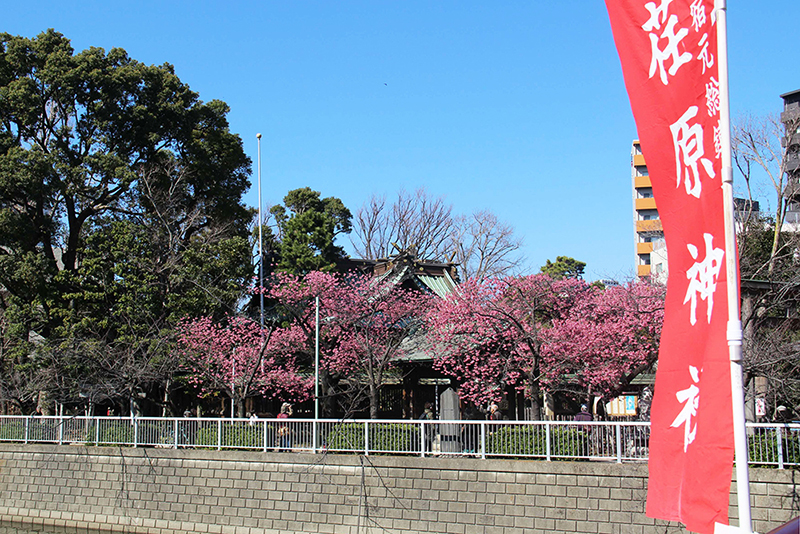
{"x": 150, "y": 490}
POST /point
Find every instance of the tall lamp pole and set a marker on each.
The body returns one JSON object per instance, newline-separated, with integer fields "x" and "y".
{"x": 260, "y": 244}
{"x": 316, "y": 360}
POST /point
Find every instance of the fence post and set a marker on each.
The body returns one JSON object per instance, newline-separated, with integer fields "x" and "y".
{"x": 547, "y": 440}
{"x": 366, "y": 438}
{"x": 618, "y": 426}
{"x": 264, "y": 425}
{"x": 135, "y": 421}
{"x": 60, "y": 429}
{"x": 314, "y": 436}
{"x": 27, "y": 428}
{"x": 422, "y": 439}
{"x": 175, "y": 434}
{"x": 219, "y": 434}
{"x": 779, "y": 444}
{"x": 96, "y": 431}
{"x": 483, "y": 440}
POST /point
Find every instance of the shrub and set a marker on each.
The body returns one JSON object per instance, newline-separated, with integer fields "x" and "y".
{"x": 242, "y": 436}
{"x": 763, "y": 446}
{"x": 516, "y": 440}
{"x": 382, "y": 437}
{"x": 393, "y": 437}
{"x": 207, "y": 437}
{"x": 571, "y": 441}
{"x": 85, "y": 433}
{"x": 345, "y": 437}
{"x": 116, "y": 433}
{"x": 12, "y": 430}
{"x": 233, "y": 437}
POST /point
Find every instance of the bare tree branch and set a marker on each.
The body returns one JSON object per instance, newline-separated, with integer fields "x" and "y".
{"x": 483, "y": 245}
{"x": 762, "y": 142}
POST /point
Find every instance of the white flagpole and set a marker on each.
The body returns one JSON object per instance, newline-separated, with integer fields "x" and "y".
{"x": 734, "y": 317}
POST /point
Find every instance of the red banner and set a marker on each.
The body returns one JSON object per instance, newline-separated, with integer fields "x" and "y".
{"x": 668, "y": 51}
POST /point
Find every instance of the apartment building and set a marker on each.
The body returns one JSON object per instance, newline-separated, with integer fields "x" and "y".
{"x": 650, "y": 252}
{"x": 790, "y": 117}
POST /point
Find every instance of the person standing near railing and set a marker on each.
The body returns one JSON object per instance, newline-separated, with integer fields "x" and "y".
{"x": 427, "y": 415}
{"x": 187, "y": 429}
{"x": 586, "y": 430}
{"x": 584, "y": 414}
{"x": 284, "y": 429}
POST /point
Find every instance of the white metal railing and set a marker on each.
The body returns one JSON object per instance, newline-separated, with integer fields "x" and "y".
{"x": 769, "y": 444}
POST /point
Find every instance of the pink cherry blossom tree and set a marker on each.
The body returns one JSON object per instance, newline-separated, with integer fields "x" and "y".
{"x": 373, "y": 322}
{"x": 608, "y": 337}
{"x": 236, "y": 359}
{"x": 534, "y": 332}
{"x": 364, "y": 321}
{"x": 489, "y": 335}
{"x": 292, "y": 298}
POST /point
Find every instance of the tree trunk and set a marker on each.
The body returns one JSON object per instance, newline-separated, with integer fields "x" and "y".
{"x": 373, "y": 401}
{"x": 327, "y": 405}
{"x": 536, "y": 403}
{"x": 44, "y": 404}
{"x": 776, "y": 235}
{"x": 166, "y": 400}
{"x": 535, "y": 396}
{"x": 520, "y": 408}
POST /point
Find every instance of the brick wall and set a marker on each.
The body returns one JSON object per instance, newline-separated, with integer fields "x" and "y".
{"x": 164, "y": 490}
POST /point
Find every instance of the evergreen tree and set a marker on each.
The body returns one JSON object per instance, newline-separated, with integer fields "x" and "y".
{"x": 307, "y": 230}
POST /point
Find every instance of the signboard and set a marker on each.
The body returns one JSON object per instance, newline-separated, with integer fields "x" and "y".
{"x": 624, "y": 405}
{"x": 761, "y": 407}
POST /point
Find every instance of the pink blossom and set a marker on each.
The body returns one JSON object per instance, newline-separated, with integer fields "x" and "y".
{"x": 523, "y": 332}
{"x": 228, "y": 358}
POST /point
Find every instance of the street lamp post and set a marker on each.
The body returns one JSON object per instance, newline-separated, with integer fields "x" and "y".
{"x": 260, "y": 245}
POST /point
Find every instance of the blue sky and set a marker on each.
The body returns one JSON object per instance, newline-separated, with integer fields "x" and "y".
{"x": 516, "y": 107}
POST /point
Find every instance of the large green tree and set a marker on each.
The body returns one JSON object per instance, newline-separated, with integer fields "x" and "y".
{"x": 564, "y": 267}
{"x": 120, "y": 195}
{"x": 307, "y": 226}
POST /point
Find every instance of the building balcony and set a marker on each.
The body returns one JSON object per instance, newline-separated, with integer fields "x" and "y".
{"x": 792, "y": 139}
{"x": 643, "y": 270}
{"x": 790, "y": 114}
{"x": 653, "y": 225}
{"x": 645, "y": 204}
{"x": 793, "y": 161}
{"x": 638, "y": 160}
{"x": 644, "y": 248}
{"x": 642, "y": 181}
